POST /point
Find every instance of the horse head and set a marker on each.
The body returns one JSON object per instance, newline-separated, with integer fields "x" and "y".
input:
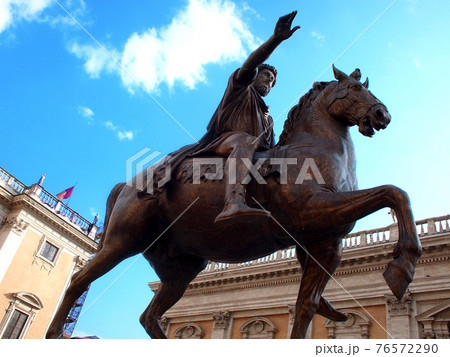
{"x": 350, "y": 101}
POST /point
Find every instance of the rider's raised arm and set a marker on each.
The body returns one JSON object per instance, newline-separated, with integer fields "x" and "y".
{"x": 282, "y": 32}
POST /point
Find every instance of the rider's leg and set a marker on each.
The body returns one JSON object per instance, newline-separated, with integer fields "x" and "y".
{"x": 236, "y": 147}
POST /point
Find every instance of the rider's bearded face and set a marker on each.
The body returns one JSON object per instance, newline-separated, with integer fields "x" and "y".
{"x": 263, "y": 82}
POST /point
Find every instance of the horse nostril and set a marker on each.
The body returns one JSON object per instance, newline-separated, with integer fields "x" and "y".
{"x": 380, "y": 114}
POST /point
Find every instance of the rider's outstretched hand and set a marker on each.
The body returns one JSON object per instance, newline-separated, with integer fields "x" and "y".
{"x": 283, "y": 27}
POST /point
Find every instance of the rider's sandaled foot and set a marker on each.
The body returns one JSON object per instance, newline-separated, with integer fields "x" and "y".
{"x": 241, "y": 213}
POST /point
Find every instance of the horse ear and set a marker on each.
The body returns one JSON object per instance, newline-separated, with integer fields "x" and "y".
{"x": 366, "y": 83}
{"x": 356, "y": 74}
{"x": 339, "y": 75}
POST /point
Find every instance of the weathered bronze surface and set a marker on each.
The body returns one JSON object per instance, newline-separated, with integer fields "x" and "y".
{"x": 312, "y": 208}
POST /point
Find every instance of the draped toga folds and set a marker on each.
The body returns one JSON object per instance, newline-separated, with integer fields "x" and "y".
{"x": 241, "y": 109}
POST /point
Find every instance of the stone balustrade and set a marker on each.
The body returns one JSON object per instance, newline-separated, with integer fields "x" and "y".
{"x": 385, "y": 235}
{"x": 11, "y": 181}
{"x": 38, "y": 193}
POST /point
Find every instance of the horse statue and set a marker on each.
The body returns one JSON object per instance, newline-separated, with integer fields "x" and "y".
{"x": 175, "y": 231}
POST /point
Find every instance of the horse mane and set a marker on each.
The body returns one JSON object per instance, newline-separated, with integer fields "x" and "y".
{"x": 297, "y": 110}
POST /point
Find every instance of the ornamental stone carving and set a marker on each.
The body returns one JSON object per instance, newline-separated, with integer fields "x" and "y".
{"x": 356, "y": 326}
{"x": 258, "y": 327}
{"x": 221, "y": 320}
{"x": 435, "y": 322}
{"x": 80, "y": 263}
{"x": 399, "y": 308}
{"x": 164, "y": 323}
{"x": 16, "y": 224}
{"x": 291, "y": 309}
{"x": 189, "y": 330}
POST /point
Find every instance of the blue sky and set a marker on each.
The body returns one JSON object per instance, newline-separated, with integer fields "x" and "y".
{"x": 69, "y": 111}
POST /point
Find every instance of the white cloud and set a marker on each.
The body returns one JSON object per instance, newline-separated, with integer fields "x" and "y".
{"x": 121, "y": 134}
{"x": 110, "y": 125}
{"x": 203, "y": 32}
{"x": 96, "y": 59}
{"x": 76, "y": 8}
{"x": 248, "y": 8}
{"x": 125, "y": 135}
{"x": 319, "y": 38}
{"x": 86, "y": 113}
{"x": 14, "y": 10}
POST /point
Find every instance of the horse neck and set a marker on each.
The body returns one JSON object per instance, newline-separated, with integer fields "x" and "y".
{"x": 317, "y": 122}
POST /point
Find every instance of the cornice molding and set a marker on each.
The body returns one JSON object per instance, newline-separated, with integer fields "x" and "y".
{"x": 25, "y": 202}
{"x": 289, "y": 271}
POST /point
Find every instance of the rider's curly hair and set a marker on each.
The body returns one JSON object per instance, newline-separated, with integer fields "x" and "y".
{"x": 270, "y": 68}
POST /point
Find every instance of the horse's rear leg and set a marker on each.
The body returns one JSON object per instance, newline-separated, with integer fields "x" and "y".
{"x": 324, "y": 308}
{"x": 105, "y": 260}
{"x": 175, "y": 274}
{"x": 328, "y": 209}
{"x": 318, "y": 266}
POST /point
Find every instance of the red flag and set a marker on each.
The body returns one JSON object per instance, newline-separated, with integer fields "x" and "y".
{"x": 65, "y": 194}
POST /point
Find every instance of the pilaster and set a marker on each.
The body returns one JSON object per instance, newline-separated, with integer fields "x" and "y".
{"x": 398, "y": 316}
{"x": 221, "y": 325}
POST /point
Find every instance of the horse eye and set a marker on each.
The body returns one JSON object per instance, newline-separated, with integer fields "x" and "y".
{"x": 358, "y": 87}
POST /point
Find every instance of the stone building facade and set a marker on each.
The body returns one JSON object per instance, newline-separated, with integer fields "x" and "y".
{"x": 42, "y": 244}
{"x": 256, "y": 299}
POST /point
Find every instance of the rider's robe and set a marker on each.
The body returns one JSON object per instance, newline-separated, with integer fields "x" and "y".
{"x": 241, "y": 109}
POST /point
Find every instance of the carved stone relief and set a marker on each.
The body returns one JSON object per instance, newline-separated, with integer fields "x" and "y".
{"x": 356, "y": 326}
{"x": 399, "y": 308}
{"x": 258, "y": 327}
{"x": 16, "y": 224}
{"x": 435, "y": 322}
{"x": 164, "y": 323}
{"x": 221, "y": 319}
{"x": 189, "y": 330}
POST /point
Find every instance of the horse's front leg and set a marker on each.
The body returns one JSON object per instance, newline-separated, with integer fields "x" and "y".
{"x": 327, "y": 209}
{"x": 320, "y": 262}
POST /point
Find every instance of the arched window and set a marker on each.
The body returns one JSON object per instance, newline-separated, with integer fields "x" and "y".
{"x": 356, "y": 326}
{"x": 189, "y": 330}
{"x": 20, "y": 314}
{"x": 258, "y": 327}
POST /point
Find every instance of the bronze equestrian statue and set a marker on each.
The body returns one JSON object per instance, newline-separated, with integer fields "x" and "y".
{"x": 174, "y": 227}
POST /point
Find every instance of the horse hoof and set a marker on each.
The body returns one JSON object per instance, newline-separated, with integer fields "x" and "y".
{"x": 326, "y": 310}
{"x": 397, "y": 278}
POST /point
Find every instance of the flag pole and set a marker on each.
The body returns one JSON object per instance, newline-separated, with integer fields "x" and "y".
{"x": 71, "y": 195}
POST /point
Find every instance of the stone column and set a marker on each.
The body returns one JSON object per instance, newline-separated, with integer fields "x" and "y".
{"x": 291, "y": 309}
{"x": 398, "y": 316}
{"x": 221, "y": 328}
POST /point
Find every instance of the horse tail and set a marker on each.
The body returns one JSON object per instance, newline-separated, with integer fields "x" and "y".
{"x": 112, "y": 198}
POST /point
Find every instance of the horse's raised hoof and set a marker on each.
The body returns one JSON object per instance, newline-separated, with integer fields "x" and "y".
{"x": 326, "y": 310}
{"x": 398, "y": 277}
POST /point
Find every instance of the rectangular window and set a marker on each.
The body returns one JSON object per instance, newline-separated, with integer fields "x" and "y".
{"x": 49, "y": 251}
{"x": 15, "y": 326}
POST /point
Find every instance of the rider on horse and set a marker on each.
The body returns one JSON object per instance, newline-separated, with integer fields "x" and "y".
{"x": 241, "y": 124}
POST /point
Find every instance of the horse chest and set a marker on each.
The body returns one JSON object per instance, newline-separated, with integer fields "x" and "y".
{"x": 344, "y": 168}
